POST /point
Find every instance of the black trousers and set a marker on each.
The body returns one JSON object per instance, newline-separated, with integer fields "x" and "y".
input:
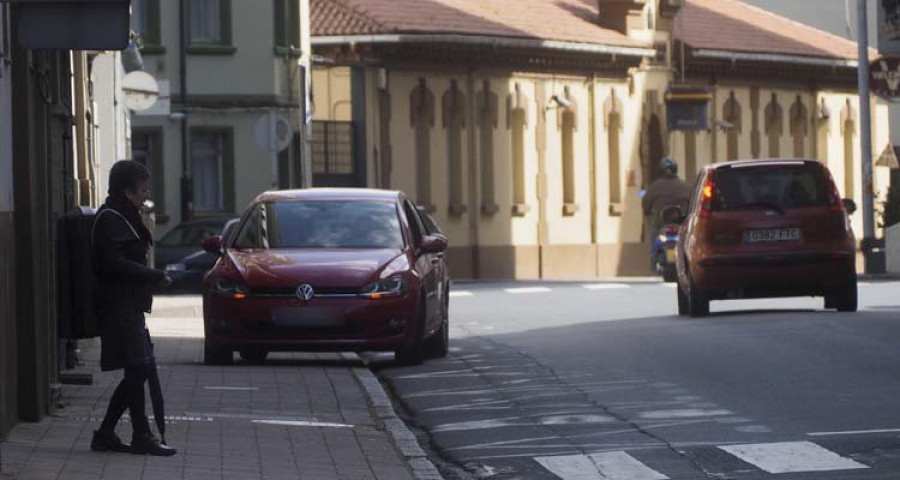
{"x": 129, "y": 395}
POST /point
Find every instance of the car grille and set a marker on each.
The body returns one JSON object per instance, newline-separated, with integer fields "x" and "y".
{"x": 292, "y": 292}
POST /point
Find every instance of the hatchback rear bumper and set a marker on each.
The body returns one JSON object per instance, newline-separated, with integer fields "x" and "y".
{"x": 774, "y": 275}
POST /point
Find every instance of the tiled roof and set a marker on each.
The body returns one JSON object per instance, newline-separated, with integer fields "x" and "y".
{"x": 736, "y": 26}
{"x": 561, "y": 20}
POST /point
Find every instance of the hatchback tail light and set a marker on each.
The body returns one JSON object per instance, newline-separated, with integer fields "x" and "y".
{"x": 707, "y": 195}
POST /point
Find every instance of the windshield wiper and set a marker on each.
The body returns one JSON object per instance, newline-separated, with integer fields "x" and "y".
{"x": 756, "y": 205}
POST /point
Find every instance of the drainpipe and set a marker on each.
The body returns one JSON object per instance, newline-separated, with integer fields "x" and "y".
{"x": 187, "y": 186}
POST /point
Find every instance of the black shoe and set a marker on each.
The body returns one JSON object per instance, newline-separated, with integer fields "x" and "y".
{"x": 108, "y": 441}
{"x": 147, "y": 444}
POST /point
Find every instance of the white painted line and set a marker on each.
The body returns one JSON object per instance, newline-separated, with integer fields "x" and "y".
{"x": 599, "y": 466}
{"x": 622, "y": 466}
{"x": 299, "y": 423}
{"x": 461, "y": 293}
{"x": 240, "y": 389}
{"x": 570, "y": 467}
{"x": 791, "y": 457}
{"x": 519, "y": 291}
{"x": 605, "y": 286}
{"x": 854, "y": 432}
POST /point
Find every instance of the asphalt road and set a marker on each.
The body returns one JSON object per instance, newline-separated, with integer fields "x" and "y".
{"x": 605, "y": 381}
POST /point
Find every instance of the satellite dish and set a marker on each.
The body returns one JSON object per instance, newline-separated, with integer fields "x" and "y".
{"x": 273, "y": 132}
{"x": 141, "y": 90}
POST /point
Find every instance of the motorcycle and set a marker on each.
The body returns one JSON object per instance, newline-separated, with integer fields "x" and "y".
{"x": 665, "y": 241}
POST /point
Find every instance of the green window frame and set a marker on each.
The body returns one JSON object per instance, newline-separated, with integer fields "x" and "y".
{"x": 287, "y": 27}
{"x": 147, "y": 12}
{"x": 224, "y": 138}
{"x": 221, "y": 43}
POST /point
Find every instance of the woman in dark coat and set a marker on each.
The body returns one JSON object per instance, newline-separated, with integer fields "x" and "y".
{"x": 120, "y": 245}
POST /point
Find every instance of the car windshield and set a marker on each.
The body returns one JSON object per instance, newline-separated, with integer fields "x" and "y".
{"x": 321, "y": 224}
{"x": 776, "y": 187}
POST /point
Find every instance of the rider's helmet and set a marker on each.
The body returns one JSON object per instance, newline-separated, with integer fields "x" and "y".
{"x": 668, "y": 165}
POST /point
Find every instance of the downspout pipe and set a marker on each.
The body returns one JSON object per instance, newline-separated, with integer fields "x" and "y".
{"x": 187, "y": 186}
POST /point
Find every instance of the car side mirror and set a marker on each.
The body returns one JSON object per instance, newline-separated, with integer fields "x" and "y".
{"x": 213, "y": 244}
{"x": 433, "y": 244}
{"x": 849, "y": 205}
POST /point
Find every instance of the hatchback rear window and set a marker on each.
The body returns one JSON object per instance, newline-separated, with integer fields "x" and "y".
{"x": 781, "y": 186}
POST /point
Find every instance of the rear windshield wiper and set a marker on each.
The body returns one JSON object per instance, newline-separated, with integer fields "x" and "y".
{"x": 760, "y": 205}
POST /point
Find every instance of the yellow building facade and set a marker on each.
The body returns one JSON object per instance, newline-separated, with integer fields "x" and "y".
{"x": 531, "y": 153}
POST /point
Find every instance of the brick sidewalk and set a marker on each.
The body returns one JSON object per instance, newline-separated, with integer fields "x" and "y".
{"x": 306, "y": 416}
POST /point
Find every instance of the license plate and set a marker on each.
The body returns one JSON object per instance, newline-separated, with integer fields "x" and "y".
{"x": 670, "y": 255}
{"x": 772, "y": 235}
{"x": 307, "y": 317}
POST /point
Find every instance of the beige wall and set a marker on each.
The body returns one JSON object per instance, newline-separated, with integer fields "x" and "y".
{"x": 510, "y": 244}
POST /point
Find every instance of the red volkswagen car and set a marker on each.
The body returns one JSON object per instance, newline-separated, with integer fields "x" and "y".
{"x": 328, "y": 269}
{"x": 766, "y": 228}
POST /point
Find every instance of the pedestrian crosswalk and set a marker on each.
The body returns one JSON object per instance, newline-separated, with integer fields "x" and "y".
{"x": 763, "y": 458}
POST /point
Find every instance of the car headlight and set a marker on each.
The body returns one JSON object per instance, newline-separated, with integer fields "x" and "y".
{"x": 393, "y": 286}
{"x": 176, "y": 267}
{"x": 227, "y": 286}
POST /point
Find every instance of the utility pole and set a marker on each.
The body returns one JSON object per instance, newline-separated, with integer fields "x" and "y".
{"x": 865, "y": 133}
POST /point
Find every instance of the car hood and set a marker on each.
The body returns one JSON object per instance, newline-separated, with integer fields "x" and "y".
{"x": 323, "y": 268}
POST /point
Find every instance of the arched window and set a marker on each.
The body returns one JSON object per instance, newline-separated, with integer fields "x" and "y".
{"x": 613, "y": 119}
{"x": 567, "y": 125}
{"x": 731, "y": 113}
{"x": 517, "y": 121}
{"x": 799, "y": 127}
{"x": 774, "y": 126}
{"x": 848, "y": 130}
{"x": 454, "y": 120}
{"x": 421, "y": 110}
{"x": 487, "y": 122}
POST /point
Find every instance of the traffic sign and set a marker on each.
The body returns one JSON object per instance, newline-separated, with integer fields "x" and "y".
{"x": 884, "y": 78}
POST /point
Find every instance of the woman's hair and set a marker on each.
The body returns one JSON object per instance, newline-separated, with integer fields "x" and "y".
{"x": 125, "y": 175}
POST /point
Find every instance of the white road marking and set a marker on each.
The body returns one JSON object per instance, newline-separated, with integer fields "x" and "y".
{"x": 231, "y": 388}
{"x": 684, "y": 413}
{"x": 300, "y": 423}
{"x": 791, "y": 457}
{"x": 599, "y": 466}
{"x": 519, "y": 291}
{"x": 854, "y": 432}
{"x": 605, "y": 286}
{"x": 461, "y": 293}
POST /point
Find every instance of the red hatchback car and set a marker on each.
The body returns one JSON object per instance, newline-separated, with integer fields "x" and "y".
{"x": 766, "y": 228}
{"x": 328, "y": 269}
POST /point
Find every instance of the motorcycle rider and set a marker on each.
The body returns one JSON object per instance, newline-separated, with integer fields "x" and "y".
{"x": 667, "y": 190}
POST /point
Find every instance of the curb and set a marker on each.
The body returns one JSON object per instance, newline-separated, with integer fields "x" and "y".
{"x": 404, "y": 439}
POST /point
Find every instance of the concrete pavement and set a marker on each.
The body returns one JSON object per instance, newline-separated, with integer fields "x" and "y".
{"x": 306, "y": 416}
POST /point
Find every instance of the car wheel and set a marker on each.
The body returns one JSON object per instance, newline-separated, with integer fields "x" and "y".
{"x": 253, "y": 355}
{"x": 414, "y": 354}
{"x": 216, "y": 355}
{"x": 847, "y": 298}
{"x": 698, "y": 304}
{"x": 438, "y": 346}
{"x": 682, "y": 301}
{"x": 670, "y": 274}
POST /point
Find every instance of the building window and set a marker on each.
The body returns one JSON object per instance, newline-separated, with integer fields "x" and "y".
{"x": 517, "y": 121}
{"x": 774, "y": 126}
{"x": 210, "y": 23}
{"x": 613, "y": 110}
{"x": 332, "y": 148}
{"x": 146, "y": 148}
{"x": 212, "y": 171}
{"x": 453, "y": 104}
{"x": 799, "y": 127}
{"x": 732, "y": 114}
{"x": 848, "y": 129}
{"x": 487, "y": 121}
{"x": 422, "y": 112}
{"x": 287, "y": 26}
{"x": 567, "y": 123}
{"x": 145, "y": 21}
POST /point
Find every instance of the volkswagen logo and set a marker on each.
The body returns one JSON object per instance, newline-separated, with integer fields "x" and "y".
{"x": 305, "y": 292}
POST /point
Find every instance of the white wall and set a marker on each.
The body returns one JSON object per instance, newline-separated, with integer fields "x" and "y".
{"x": 113, "y": 130}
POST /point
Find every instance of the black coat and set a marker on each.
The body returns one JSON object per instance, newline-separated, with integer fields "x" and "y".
{"x": 123, "y": 292}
